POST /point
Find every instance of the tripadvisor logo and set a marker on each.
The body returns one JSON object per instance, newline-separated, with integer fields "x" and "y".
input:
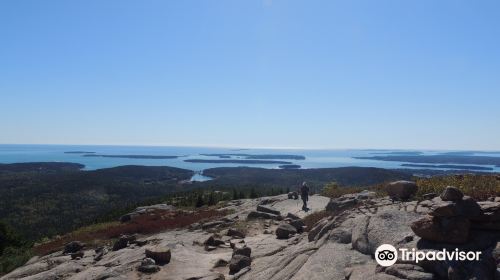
{"x": 387, "y": 255}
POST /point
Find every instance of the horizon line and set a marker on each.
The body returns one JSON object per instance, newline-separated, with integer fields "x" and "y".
{"x": 248, "y": 147}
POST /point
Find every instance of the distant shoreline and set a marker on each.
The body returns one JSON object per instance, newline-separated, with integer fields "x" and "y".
{"x": 242, "y": 161}
{"x": 449, "y": 166}
{"x": 132, "y": 156}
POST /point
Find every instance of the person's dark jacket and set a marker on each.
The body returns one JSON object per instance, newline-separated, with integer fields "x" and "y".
{"x": 304, "y": 192}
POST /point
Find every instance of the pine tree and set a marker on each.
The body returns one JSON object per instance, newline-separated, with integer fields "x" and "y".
{"x": 199, "y": 201}
{"x": 211, "y": 199}
{"x": 253, "y": 193}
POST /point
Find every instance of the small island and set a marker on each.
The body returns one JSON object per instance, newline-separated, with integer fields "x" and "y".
{"x": 265, "y": 156}
{"x": 242, "y": 161}
{"x": 439, "y": 159}
{"x": 290, "y": 166}
{"x": 131, "y": 156}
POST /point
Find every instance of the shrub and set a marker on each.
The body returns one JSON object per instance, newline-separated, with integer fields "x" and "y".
{"x": 311, "y": 219}
{"x": 479, "y": 187}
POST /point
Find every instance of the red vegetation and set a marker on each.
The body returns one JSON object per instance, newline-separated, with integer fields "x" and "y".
{"x": 150, "y": 223}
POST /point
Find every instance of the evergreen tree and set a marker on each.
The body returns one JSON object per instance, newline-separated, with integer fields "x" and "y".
{"x": 253, "y": 193}
{"x": 211, "y": 199}
{"x": 199, "y": 201}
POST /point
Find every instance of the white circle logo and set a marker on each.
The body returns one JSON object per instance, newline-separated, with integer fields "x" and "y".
{"x": 386, "y": 255}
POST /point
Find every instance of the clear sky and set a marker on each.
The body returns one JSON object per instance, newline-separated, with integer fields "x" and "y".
{"x": 311, "y": 74}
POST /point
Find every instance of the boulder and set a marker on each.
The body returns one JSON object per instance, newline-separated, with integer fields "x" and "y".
{"x": 210, "y": 225}
{"x": 73, "y": 247}
{"x": 338, "y": 204}
{"x": 235, "y": 233}
{"x": 401, "y": 190}
{"x": 293, "y": 195}
{"x": 299, "y": 225}
{"x": 262, "y": 215}
{"x": 388, "y": 226}
{"x": 268, "y": 209}
{"x": 148, "y": 265}
{"x": 245, "y": 251}
{"x": 77, "y": 255}
{"x": 442, "y": 229}
{"x": 99, "y": 253}
{"x": 213, "y": 241}
{"x": 451, "y": 194}
{"x": 467, "y": 207}
{"x": 292, "y": 216}
{"x": 122, "y": 242}
{"x": 160, "y": 255}
{"x": 285, "y": 230}
{"x": 490, "y": 211}
{"x": 238, "y": 262}
{"x": 366, "y": 195}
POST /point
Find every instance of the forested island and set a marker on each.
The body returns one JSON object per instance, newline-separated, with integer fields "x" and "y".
{"x": 439, "y": 159}
{"x": 449, "y": 166}
{"x": 265, "y": 156}
{"x": 239, "y": 161}
{"x": 131, "y": 156}
{"x": 289, "y": 166}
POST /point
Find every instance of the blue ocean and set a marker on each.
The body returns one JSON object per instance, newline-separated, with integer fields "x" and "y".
{"x": 313, "y": 158}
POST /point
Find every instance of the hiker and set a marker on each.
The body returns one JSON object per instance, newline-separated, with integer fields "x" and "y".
{"x": 304, "y": 193}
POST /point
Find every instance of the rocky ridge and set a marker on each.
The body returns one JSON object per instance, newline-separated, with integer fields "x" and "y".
{"x": 266, "y": 238}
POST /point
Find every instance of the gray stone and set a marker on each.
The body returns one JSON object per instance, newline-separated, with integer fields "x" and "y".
{"x": 262, "y": 215}
{"x": 238, "y": 262}
{"x": 268, "y": 209}
{"x": 337, "y": 205}
{"x": 442, "y": 229}
{"x": 285, "y": 230}
{"x": 299, "y": 225}
{"x": 160, "y": 255}
{"x": 292, "y": 216}
{"x": 235, "y": 233}
{"x": 245, "y": 251}
{"x": 401, "y": 190}
{"x": 73, "y": 247}
{"x": 451, "y": 194}
{"x": 467, "y": 207}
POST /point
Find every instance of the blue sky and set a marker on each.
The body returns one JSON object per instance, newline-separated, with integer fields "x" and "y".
{"x": 313, "y": 74}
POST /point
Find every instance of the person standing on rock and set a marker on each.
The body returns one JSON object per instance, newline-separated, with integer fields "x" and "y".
{"x": 304, "y": 194}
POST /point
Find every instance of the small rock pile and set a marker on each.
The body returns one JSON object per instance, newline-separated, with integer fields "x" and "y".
{"x": 453, "y": 216}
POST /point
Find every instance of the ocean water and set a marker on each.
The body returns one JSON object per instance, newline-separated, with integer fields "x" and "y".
{"x": 314, "y": 158}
